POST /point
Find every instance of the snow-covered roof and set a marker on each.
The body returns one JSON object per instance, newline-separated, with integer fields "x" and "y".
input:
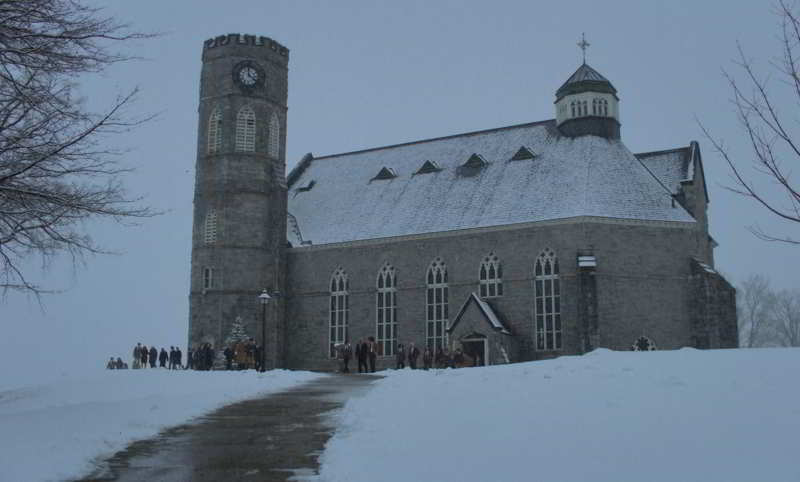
{"x": 671, "y": 167}
{"x": 585, "y": 78}
{"x": 568, "y": 177}
{"x": 488, "y": 313}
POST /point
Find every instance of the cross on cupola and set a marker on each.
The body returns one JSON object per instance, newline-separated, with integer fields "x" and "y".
{"x": 583, "y": 44}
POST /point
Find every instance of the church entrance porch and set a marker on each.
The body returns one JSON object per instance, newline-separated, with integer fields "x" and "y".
{"x": 476, "y": 348}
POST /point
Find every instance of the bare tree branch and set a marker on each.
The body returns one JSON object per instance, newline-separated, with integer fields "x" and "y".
{"x": 56, "y": 171}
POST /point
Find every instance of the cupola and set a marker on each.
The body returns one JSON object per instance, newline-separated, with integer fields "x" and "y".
{"x": 587, "y": 104}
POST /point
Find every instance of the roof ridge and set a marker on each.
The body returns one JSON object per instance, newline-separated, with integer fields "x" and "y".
{"x": 452, "y": 136}
{"x": 664, "y": 151}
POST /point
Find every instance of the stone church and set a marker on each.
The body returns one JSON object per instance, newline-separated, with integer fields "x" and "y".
{"x": 516, "y": 243}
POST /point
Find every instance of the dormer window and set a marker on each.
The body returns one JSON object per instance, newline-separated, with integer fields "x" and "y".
{"x": 427, "y": 167}
{"x": 475, "y": 161}
{"x": 522, "y": 154}
{"x": 385, "y": 173}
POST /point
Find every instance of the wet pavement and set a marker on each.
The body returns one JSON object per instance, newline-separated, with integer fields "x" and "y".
{"x": 275, "y": 438}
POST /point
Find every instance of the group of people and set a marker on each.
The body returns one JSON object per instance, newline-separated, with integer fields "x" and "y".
{"x": 245, "y": 353}
{"x": 201, "y": 357}
{"x": 367, "y": 350}
{"x": 144, "y": 357}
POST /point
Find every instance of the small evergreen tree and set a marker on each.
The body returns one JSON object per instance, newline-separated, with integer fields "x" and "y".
{"x": 236, "y": 335}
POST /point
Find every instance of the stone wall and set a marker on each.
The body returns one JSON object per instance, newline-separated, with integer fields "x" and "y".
{"x": 642, "y": 277}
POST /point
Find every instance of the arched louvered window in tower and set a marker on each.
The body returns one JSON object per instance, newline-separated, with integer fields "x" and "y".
{"x": 386, "y": 310}
{"x": 339, "y": 310}
{"x": 215, "y": 131}
{"x": 491, "y": 277}
{"x": 594, "y": 107}
{"x": 437, "y": 304}
{"x": 210, "y": 227}
{"x": 246, "y": 130}
{"x": 572, "y": 105}
{"x": 585, "y": 107}
{"x": 604, "y": 106}
{"x": 274, "y": 146}
{"x": 547, "y": 293}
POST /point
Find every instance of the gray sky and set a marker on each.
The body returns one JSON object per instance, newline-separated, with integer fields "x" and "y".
{"x": 366, "y": 74}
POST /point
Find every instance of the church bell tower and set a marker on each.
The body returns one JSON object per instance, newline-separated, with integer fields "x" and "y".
{"x": 239, "y": 227}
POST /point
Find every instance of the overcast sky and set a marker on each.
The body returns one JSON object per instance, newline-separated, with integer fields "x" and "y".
{"x": 366, "y": 74}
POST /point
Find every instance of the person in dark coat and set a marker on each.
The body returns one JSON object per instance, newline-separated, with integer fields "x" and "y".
{"x": 228, "y": 353}
{"x": 361, "y": 355}
{"x": 137, "y": 355}
{"x": 412, "y": 354}
{"x": 347, "y": 353}
{"x": 401, "y": 356}
{"x": 209, "y": 362}
{"x": 190, "y": 359}
{"x": 162, "y": 358}
{"x": 153, "y": 357}
{"x": 143, "y": 352}
{"x": 120, "y": 364}
{"x": 171, "y": 357}
{"x": 178, "y": 358}
{"x": 427, "y": 358}
{"x": 372, "y": 351}
{"x": 111, "y": 365}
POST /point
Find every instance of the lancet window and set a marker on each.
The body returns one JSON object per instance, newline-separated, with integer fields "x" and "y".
{"x": 215, "y": 131}
{"x": 491, "y": 277}
{"x": 437, "y": 304}
{"x": 386, "y": 310}
{"x": 339, "y": 310}
{"x": 274, "y": 146}
{"x": 547, "y": 302}
{"x": 246, "y": 130}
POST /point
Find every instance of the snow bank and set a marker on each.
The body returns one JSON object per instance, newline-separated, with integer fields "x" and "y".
{"x": 54, "y": 431}
{"x": 687, "y": 415}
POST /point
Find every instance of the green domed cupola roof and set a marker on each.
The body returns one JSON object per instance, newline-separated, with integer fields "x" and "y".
{"x": 585, "y": 79}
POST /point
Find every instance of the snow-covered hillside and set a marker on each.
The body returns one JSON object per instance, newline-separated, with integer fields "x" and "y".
{"x": 686, "y": 415}
{"x": 55, "y": 431}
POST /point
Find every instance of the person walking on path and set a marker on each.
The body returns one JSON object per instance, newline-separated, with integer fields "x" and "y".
{"x": 427, "y": 358}
{"x": 361, "y": 354}
{"x": 228, "y": 353}
{"x": 413, "y": 354}
{"x": 190, "y": 359}
{"x": 347, "y": 353}
{"x": 143, "y": 352}
{"x": 178, "y": 358}
{"x": 162, "y": 358}
{"x": 401, "y": 357}
{"x": 372, "y": 348}
{"x": 111, "y": 365}
{"x": 153, "y": 356}
{"x": 137, "y": 355}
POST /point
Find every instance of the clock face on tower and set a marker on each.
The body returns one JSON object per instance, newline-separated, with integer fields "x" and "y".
{"x": 248, "y": 75}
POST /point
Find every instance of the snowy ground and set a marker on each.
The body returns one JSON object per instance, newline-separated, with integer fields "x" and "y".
{"x": 55, "y": 431}
{"x": 687, "y": 415}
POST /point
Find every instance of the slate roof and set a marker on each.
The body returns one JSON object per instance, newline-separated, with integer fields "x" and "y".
{"x": 670, "y": 167}
{"x": 585, "y": 78}
{"x": 568, "y": 177}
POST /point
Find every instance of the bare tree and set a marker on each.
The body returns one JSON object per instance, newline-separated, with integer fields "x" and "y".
{"x": 786, "y": 318}
{"x": 754, "y": 306}
{"x": 769, "y": 125}
{"x": 56, "y": 171}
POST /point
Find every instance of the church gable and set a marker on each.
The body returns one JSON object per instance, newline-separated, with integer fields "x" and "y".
{"x": 476, "y": 316}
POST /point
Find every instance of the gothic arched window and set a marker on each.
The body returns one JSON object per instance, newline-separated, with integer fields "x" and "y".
{"x": 274, "y": 146}
{"x": 437, "y": 304}
{"x": 339, "y": 309}
{"x": 246, "y": 130}
{"x": 548, "y": 301}
{"x": 215, "y": 131}
{"x": 210, "y": 227}
{"x": 491, "y": 277}
{"x": 386, "y": 310}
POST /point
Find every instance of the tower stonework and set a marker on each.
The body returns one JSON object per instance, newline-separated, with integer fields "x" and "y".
{"x": 239, "y": 224}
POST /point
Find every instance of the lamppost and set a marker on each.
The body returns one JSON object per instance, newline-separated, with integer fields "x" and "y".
{"x": 264, "y": 297}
